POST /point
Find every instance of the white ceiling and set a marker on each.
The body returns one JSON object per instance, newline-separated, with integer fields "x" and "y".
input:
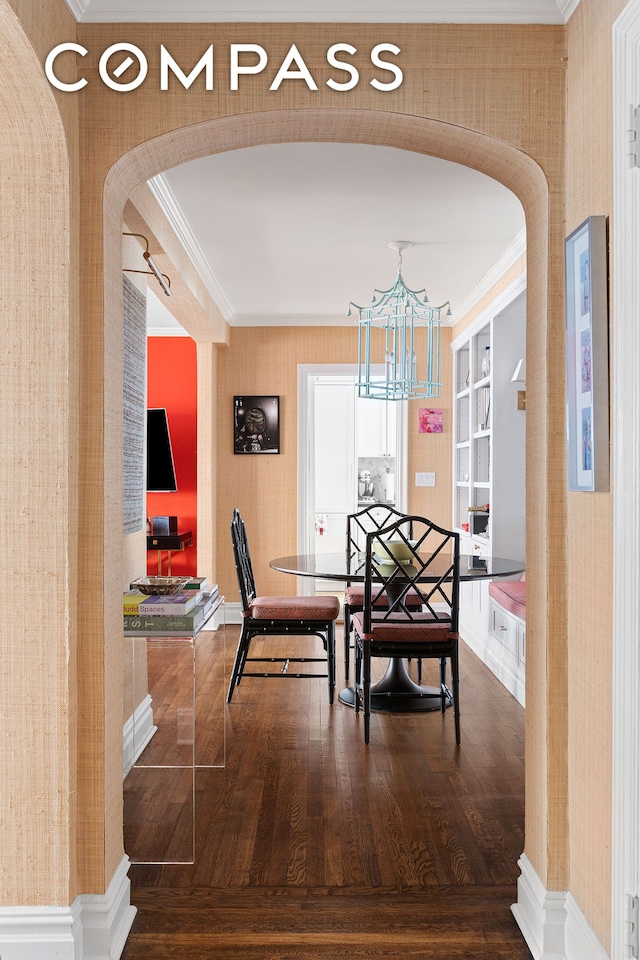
{"x": 317, "y": 11}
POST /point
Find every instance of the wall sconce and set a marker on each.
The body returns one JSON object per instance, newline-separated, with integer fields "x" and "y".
{"x": 519, "y": 376}
{"x": 162, "y": 278}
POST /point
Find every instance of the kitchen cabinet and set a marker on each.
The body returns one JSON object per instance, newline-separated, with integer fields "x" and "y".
{"x": 375, "y": 427}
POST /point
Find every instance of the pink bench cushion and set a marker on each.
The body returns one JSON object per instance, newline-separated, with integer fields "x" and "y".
{"x": 295, "y": 608}
{"x": 419, "y": 629}
{"x": 511, "y": 596}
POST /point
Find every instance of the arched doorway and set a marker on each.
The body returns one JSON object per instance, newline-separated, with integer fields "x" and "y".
{"x": 546, "y": 507}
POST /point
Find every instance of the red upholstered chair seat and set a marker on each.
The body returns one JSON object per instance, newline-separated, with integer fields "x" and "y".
{"x": 354, "y": 596}
{"x": 511, "y": 596}
{"x": 420, "y": 629}
{"x": 294, "y": 608}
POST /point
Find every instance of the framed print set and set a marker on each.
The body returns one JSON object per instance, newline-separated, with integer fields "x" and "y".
{"x": 256, "y": 424}
{"x": 587, "y": 317}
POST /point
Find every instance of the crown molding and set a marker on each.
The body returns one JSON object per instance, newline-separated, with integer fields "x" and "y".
{"x": 292, "y": 320}
{"x": 514, "y": 251}
{"x": 315, "y": 11}
{"x": 172, "y": 211}
{"x": 567, "y": 8}
{"x": 78, "y": 8}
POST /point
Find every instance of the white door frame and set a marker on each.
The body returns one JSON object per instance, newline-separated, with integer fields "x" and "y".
{"x": 625, "y": 414}
{"x": 306, "y": 373}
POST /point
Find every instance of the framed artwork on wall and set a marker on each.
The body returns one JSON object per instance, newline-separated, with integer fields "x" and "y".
{"x": 256, "y": 424}
{"x": 429, "y": 420}
{"x": 587, "y": 318}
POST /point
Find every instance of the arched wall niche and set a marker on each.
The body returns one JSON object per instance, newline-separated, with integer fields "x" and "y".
{"x": 546, "y": 498}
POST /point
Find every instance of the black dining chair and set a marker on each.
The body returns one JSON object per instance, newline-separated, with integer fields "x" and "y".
{"x": 277, "y": 617}
{"x": 398, "y": 566}
{"x": 372, "y": 518}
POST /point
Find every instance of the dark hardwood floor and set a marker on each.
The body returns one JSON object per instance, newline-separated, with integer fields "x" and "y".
{"x": 308, "y": 844}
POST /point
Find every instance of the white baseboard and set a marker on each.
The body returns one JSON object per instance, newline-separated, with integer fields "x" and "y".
{"x": 94, "y": 927}
{"x": 219, "y": 617}
{"x": 136, "y": 734}
{"x": 581, "y": 937}
{"x": 107, "y": 918}
{"x": 41, "y": 933}
{"x": 233, "y": 613}
{"x": 551, "y": 922}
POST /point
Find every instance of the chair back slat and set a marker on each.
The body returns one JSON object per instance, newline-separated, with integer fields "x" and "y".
{"x": 371, "y": 519}
{"x": 411, "y": 558}
{"x": 242, "y": 558}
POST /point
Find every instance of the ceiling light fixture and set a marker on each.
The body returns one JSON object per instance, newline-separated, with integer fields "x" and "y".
{"x": 153, "y": 270}
{"x": 389, "y": 331}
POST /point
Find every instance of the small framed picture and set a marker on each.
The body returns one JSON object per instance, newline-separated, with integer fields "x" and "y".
{"x": 429, "y": 420}
{"x": 256, "y": 424}
{"x": 587, "y": 317}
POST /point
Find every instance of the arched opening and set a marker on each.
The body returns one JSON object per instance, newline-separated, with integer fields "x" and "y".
{"x": 517, "y": 171}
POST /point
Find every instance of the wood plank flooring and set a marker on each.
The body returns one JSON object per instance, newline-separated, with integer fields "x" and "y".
{"x": 311, "y": 845}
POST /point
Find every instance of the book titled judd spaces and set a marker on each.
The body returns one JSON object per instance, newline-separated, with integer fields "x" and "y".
{"x": 176, "y": 604}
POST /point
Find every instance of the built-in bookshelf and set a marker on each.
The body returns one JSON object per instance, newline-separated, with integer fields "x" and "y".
{"x": 489, "y": 458}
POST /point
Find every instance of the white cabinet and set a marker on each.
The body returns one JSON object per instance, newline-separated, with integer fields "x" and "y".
{"x": 504, "y": 630}
{"x": 506, "y": 650}
{"x": 376, "y": 428}
{"x": 489, "y": 472}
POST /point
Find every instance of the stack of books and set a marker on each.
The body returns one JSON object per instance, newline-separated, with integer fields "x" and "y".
{"x": 178, "y": 614}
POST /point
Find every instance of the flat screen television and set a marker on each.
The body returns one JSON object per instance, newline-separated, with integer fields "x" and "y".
{"x": 161, "y": 474}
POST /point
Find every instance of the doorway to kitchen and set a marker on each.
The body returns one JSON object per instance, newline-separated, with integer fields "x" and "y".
{"x": 351, "y": 452}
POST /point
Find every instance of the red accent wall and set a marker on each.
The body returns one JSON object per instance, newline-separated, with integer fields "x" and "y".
{"x": 172, "y": 383}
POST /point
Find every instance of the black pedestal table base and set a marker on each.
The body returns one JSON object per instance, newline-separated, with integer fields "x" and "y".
{"x": 397, "y": 693}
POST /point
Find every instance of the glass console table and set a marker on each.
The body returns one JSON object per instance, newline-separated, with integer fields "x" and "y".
{"x": 175, "y": 730}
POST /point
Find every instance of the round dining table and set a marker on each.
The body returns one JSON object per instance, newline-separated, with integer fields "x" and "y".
{"x": 396, "y": 692}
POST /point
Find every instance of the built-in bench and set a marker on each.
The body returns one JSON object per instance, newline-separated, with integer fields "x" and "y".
{"x": 507, "y": 617}
{"x": 511, "y": 595}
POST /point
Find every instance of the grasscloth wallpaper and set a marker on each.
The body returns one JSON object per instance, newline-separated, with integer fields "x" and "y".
{"x": 494, "y": 97}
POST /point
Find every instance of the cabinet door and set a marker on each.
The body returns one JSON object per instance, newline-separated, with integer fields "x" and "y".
{"x": 376, "y": 429}
{"x": 334, "y": 468}
{"x": 392, "y": 429}
{"x": 504, "y": 628}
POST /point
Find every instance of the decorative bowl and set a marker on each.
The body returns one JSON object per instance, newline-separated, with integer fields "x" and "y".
{"x": 398, "y": 549}
{"x": 159, "y": 586}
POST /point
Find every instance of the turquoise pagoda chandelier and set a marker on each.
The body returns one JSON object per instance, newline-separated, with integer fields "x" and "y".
{"x": 401, "y": 326}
